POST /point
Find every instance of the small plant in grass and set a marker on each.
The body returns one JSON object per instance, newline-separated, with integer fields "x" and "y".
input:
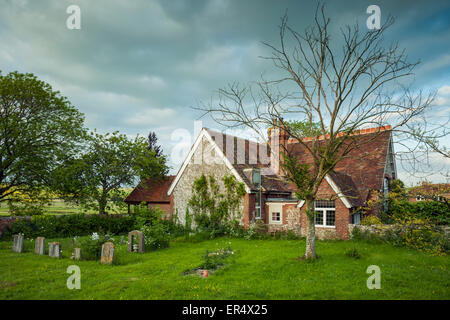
{"x": 91, "y": 247}
{"x": 215, "y": 259}
{"x": 353, "y": 253}
{"x": 157, "y": 236}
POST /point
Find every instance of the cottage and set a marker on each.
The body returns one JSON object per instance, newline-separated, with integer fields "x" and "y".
{"x": 269, "y": 196}
{"x": 153, "y": 193}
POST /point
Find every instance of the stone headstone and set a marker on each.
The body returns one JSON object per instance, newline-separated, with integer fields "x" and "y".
{"x": 54, "y": 249}
{"x": 136, "y": 241}
{"x": 77, "y": 253}
{"x": 18, "y": 243}
{"x": 39, "y": 247}
{"x": 107, "y": 253}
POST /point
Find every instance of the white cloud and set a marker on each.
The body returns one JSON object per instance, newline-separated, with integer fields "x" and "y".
{"x": 150, "y": 117}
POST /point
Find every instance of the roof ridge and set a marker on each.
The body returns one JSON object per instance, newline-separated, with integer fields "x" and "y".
{"x": 230, "y": 135}
{"x": 356, "y": 133}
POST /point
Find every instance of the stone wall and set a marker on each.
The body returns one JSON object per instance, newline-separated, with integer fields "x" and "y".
{"x": 381, "y": 229}
{"x": 204, "y": 161}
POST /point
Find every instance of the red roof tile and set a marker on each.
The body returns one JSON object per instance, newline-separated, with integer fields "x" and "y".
{"x": 362, "y": 168}
{"x": 151, "y": 191}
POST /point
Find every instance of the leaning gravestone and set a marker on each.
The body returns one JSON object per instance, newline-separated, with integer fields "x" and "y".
{"x": 77, "y": 253}
{"x": 54, "y": 249}
{"x": 39, "y": 247}
{"x": 18, "y": 243}
{"x": 107, "y": 253}
{"x": 136, "y": 241}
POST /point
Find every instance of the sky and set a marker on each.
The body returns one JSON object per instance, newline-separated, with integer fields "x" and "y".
{"x": 140, "y": 66}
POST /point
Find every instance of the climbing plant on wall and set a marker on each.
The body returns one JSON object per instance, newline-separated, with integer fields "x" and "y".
{"x": 210, "y": 207}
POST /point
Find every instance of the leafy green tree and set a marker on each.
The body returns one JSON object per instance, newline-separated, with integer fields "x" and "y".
{"x": 110, "y": 162}
{"x": 38, "y": 129}
{"x": 305, "y": 128}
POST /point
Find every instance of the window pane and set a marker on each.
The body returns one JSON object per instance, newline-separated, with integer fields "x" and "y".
{"x": 330, "y": 218}
{"x": 319, "y": 217}
{"x": 276, "y": 216}
{"x": 324, "y": 204}
{"x": 258, "y": 212}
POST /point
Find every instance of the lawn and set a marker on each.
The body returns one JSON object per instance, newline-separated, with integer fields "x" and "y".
{"x": 259, "y": 269}
{"x": 59, "y": 207}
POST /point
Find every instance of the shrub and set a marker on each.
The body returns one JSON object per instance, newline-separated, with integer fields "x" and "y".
{"x": 91, "y": 247}
{"x": 70, "y": 225}
{"x": 371, "y": 220}
{"x": 156, "y": 236}
{"x": 145, "y": 216}
{"x": 353, "y": 253}
{"x": 436, "y": 212}
{"x": 214, "y": 259}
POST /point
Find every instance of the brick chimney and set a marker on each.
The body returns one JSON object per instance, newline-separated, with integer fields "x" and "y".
{"x": 278, "y": 139}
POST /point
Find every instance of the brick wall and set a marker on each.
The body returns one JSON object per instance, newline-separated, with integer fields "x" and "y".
{"x": 342, "y": 214}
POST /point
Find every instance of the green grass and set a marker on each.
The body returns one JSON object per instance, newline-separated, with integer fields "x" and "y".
{"x": 56, "y": 207}
{"x": 260, "y": 269}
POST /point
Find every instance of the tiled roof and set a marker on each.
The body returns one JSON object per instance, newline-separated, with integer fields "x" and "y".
{"x": 239, "y": 159}
{"x": 361, "y": 170}
{"x": 151, "y": 191}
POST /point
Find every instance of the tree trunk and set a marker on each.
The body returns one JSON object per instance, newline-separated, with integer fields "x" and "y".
{"x": 310, "y": 231}
{"x": 102, "y": 205}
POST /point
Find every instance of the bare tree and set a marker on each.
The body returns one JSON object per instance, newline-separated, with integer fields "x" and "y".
{"x": 344, "y": 86}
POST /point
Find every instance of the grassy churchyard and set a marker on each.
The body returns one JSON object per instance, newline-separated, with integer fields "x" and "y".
{"x": 259, "y": 269}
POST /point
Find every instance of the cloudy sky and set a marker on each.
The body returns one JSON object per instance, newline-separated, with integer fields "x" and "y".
{"x": 140, "y": 65}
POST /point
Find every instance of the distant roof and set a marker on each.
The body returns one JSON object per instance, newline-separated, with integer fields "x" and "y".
{"x": 442, "y": 189}
{"x": 151, "y": 191}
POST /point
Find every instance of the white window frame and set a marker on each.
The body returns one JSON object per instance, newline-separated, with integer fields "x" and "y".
{"x": 324, "y": 217}
{"x": 275, "y": 207}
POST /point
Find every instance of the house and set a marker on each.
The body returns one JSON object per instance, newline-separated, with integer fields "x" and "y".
{"x": 269, "y": 197}
{"x": 153, "y": 193}
{"x": 429, "y": 191}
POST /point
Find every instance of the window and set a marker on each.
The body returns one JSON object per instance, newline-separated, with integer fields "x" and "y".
{"x": 325, "y": 213}
{"x": 356, "y": 218}
{"x": 319, "y": 218}
{"x": 275, "y": 213}
{"x": 258, "y": 205}
{"x": 276, "y": 217}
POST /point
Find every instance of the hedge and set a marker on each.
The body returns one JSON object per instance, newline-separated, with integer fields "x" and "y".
{"x": 70, "y": 225}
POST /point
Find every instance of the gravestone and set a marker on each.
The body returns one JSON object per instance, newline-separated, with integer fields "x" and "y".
{"x": 39, "y": 247}
{"x": 107, "y": 253}
{"x": 54, "y": 249}
{"x": 77, "y": 253}
{"x": 136, "y": 241}
{"x": 18, "y": 243}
